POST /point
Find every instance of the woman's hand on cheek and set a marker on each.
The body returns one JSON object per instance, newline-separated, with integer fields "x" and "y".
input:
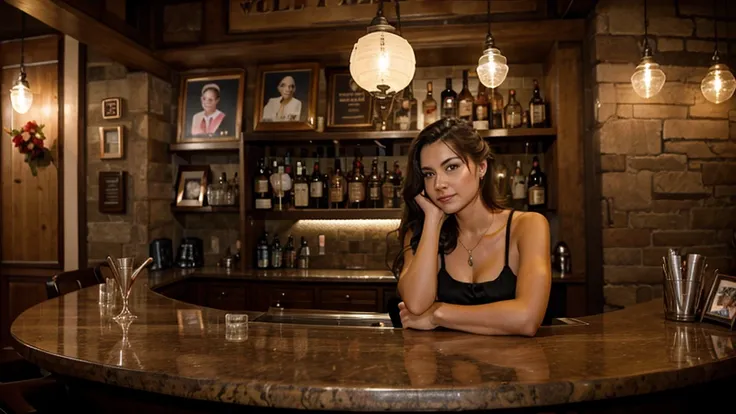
{"x": 430, "y": 209}
{"x": 422, "y": 322}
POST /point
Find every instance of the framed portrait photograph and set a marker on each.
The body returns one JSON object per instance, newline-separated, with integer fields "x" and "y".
{"x": 111, "y": 143}
{"x": 286, "y": 97}
{"x": 191, "y": 185}
{"x": 211, "y": 107}
{"x": 348, "y": 105}
{"x": 112, "y": 108}
{"x": 721, "y": 302}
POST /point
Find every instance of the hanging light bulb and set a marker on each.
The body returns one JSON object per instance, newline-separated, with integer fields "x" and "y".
{"x": 648, "y": 79}
{"x": 21, "y": 96}
{"x": 382, "y": 62}
{"x": 492, "y": 68}
{"x": 719, "y": 84}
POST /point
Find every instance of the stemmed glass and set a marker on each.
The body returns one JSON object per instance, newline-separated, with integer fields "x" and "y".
{"x": 125, "y": 274}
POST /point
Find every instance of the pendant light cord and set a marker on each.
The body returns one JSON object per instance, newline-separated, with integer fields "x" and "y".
{"x": 488, "y": 14}
{"x": 398, "y": 17}
{"x": 715, "y": 29}
{"x": 22, "y": 37}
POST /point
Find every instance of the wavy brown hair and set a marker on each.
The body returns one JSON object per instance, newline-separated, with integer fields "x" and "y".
{"x": 462, "y": 139}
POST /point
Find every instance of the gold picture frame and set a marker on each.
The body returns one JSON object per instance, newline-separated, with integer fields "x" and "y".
{"x": 191, "y": 185}
{"x": 211, "y": 106}
{"x": 112, "y": 108}
{"x": 273, "y": 86}
{"x": 112, "y": 143}
{"x": 720, "y": 305}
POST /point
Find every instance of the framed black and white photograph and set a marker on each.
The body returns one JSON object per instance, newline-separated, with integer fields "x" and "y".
{"x": 111, "y": 143}
{"x": 211, "y": 107}
{"x": 191, "y": 185}
{"x": 721, "y": 301}
{"x": 112, "y": 108}
{"x": 348, "y": 105}
{"x": 286, "y": 97}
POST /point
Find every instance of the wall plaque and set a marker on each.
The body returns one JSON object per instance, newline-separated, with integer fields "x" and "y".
{"x": 112, "y": 192}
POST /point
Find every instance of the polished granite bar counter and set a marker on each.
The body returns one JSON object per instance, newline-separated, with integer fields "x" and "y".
{"x": 181, "y": 350}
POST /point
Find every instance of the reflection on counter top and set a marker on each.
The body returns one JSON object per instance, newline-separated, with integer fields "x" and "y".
{"x": 181, "y": 350}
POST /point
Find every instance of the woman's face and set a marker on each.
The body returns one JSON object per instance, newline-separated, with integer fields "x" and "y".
{"x": 287, "y": 87}
{"x": 209, "y": 100}
{"x": 448, "y": 182}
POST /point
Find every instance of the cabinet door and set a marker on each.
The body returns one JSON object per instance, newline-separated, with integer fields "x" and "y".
{"x": 290, "y": 297}
{"x": 226, "y": 296}
{"x": 356, "y": 300}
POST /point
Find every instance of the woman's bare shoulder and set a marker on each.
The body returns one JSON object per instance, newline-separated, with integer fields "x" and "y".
{"x": 530, "y": 221}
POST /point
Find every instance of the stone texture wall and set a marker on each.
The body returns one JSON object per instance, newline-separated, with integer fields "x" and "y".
{"x": 149, "y": 124}
{"x": 668, "y": 164}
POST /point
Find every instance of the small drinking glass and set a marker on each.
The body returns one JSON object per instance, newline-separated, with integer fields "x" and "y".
{"x": 108, "y": 292}
{"x": 236, "y": 327}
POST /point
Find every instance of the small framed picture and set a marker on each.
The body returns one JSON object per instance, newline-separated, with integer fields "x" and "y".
{"x": 721, "y": 304}
{"x": 190, "y": 321}
{"x": 191, "y": 185}
{"x": 286, "y": 97}
{"x": 211, "y": 106}
{"x": 112, "y": 108}
{"x": 111, "y": 143}
{"x": 348, "y": 105}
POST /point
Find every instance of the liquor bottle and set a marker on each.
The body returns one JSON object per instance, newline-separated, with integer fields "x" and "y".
{"x": 397, "y": 181}
{"x": 465, "y": 101}
{"x": 513, "y": 111}
{"x": 356, "y": 186}
{"x": 337, "y": 187}
{"x": 302, "y": 258}
{"x": 276, "y": 252}
{"x": 518, "y": 188}
{"x": 301, "y": 187}
{"x": 290, "y": 254}
{"x": 498, "y": 120}
{"x": 402, "y": 113}
{"x": 429, "y": 106}
{"x": 412, "y": 108}
{"x": 537, "y": 187}
{"x": 316, "y": 189}
{"x": 387, "y": 188}
{"x": 481, "y": 109}
{"x": 449, "y": 100}
{"x": 262, "y": 257}
{"x": 262, "y": 189}
{"x": 374, "y": 186}
{"x": 537, "y": 109}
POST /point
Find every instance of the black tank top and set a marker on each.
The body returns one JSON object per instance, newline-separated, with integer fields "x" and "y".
{"x": 503, "y": 287}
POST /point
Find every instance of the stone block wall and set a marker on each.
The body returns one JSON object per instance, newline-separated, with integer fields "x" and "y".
{"x": 668, "y": 164}
{"x": 149, "y": 123}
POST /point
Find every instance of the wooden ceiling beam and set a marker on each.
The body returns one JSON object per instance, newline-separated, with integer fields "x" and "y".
{"x": 318, "y": 44}
{"x": 75, "y": 23}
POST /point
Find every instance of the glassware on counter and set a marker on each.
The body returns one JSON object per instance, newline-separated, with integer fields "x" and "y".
{"x": 224, "y": 192}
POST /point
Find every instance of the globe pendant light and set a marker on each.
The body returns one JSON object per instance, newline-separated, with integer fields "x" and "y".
{"x": 382, "y": 62}
{"x": 718, "y": 84}
{"x": 21, "y": 97}
{"x": 648, "y": 79}
{"x": 492, "y": 68}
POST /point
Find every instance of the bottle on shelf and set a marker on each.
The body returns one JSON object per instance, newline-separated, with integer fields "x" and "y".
{"x": 387, "y": 188}
{"x": 481, "y": 109}
{"x": 402, "y": 114}
{"x": 518, "y": 188}
{"x": 262, "y": 255}
{"x": 502, "y": 182}
{"x": 397, "y": 184}
{"x": 449, "y": 100}
{"x": 356, "y": 185}
{"x": 276, "y": 253}
{"x": 301, "y": 187}
{"x": 290, "y": 254}
{"x": 302, "y": 257}
{"x": 537, "y": 109}
{"x": 513, "y": 111}
{"x": 263, "y": 196}
{"x": 234, "y": 193}
{"x": 337, "y": 187}
{"x": 465, "y": 101}
{"x": 537, "y": 187}
{"x": 498, "y": 120}
{"x": 316, "y": 189}
{"x": 413, "y": 110}
{"x": 281, "y": 184}
{"x": 429, "y": 106}
{"x": 374, "y": 186}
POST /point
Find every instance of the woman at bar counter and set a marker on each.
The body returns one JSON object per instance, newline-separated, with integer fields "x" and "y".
{"x": 467, "y": 263}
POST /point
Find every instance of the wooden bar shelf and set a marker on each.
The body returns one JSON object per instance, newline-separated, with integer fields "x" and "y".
{"x": 316, "y": 214}
{"x": 206, "y": 209}
{"x": 205, "y": 146}
{"x": 378, "y": 135}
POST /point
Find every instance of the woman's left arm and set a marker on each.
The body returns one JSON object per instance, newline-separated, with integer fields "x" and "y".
{"x": 519, "y": 316}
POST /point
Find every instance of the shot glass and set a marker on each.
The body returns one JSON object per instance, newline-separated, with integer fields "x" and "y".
{"x": 108, "y": 292}
{"x": 236, "y": 327}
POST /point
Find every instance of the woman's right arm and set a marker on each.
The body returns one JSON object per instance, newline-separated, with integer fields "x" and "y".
{"x": 418, "y": 278}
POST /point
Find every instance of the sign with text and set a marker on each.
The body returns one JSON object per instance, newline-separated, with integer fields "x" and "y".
{"x": 277, "y": 15}
{"x": 112, "y": 192}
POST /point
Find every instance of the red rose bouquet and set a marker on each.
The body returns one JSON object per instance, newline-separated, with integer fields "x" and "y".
{"x": 30, "y": 141}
